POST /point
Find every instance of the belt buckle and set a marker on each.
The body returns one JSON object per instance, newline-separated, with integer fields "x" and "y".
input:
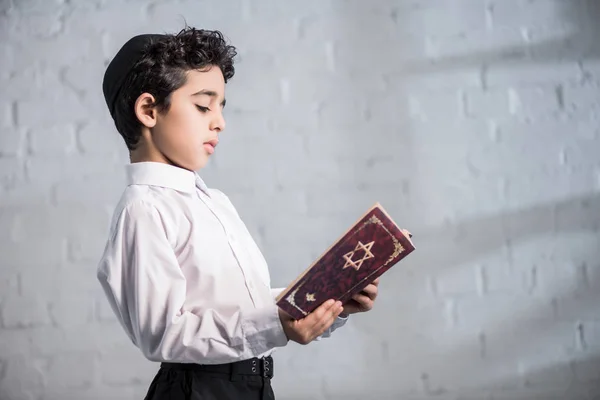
{"x": 267, "y": 367}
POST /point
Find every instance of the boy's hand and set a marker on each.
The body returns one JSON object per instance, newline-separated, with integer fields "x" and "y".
{"x": 362, "y": 301}
{"x": 305, "y": 330}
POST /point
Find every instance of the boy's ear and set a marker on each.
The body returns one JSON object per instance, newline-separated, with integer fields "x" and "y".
{"x": 145, "y": 111}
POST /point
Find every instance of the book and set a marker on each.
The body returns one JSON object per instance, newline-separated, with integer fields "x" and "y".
{"x": 369, "y": 248}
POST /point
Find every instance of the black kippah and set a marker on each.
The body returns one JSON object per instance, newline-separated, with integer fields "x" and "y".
{"x": 116, "y": 72}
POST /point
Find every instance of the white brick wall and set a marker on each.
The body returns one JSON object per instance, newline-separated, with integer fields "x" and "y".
{"x": 475, "y": 122}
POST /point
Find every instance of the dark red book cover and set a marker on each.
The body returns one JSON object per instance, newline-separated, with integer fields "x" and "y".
{"x": 368, "y": 249}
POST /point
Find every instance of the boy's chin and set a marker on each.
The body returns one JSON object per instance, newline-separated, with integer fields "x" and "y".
{"x": 201, "y": 164}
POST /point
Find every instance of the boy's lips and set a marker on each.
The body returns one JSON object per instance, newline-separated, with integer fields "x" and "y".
{"x": 210, "y": 145}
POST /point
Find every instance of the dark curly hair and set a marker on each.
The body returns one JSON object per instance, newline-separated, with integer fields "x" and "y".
{"x": 162, "y": 70}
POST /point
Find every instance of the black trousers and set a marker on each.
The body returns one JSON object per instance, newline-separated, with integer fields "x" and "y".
{"x": 244, "y": 380}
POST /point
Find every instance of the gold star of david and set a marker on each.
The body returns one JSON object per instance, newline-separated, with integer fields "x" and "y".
{"x": 357, "y": 264}
{"x": 310, "y": 297}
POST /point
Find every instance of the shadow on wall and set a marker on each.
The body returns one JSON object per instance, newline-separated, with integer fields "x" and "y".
{"x": 472, "y": 239}
{"x": 516, "y": 331}
{"x": 581, "y": 42}
{"x": 525, "y": 342}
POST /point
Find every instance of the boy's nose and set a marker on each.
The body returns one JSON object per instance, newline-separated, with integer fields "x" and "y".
{"x": 218, "y": 123}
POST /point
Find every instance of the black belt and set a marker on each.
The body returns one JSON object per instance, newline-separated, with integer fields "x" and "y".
{"x": 255, "y": 366}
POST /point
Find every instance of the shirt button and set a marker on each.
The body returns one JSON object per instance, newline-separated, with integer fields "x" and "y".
{"x": 250, "y": 286}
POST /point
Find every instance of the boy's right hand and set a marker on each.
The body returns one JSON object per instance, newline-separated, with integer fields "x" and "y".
{"x": 305, "y": 330}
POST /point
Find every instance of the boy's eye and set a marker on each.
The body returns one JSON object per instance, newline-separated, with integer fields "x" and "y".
{"x": 202, "y": 109}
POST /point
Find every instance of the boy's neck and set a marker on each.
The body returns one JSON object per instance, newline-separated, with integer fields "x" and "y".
{"x": 146, "y": 152}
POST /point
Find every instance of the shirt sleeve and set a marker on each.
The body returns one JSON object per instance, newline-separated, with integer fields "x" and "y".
{"x": 338, "y": 323}
{"x": 143, "y": 282}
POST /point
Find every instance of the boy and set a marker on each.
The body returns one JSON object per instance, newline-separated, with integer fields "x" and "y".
{"x": 181, "y": 272}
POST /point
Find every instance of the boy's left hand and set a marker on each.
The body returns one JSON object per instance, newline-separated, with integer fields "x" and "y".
{"x": 362, "y": 301}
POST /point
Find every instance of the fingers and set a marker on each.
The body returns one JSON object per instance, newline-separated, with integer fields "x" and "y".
{"x": 327, "y": 320}
{"x": 365, "y": 302}
{"x": 318, "y": 321}
{"x": 371, "y": 291}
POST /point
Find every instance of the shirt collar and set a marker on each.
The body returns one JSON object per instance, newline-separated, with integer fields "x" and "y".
{"x": 164, "y": 175}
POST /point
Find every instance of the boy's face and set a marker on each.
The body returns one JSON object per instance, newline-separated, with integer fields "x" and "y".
{"x": 188, "y": 133}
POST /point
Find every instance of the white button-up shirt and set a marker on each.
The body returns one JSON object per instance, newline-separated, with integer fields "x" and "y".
{"x": 183, "y": 275}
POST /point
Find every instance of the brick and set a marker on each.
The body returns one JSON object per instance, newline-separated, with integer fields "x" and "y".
{"x": 428, "y": 106}
{"x": 500, "y": 277}
{"x": 40, "y": 24}
{"x": 52, "y": 283}
{"x": 323, "y": 84}
{"x": 567, "y": 276}
{"x": 587, "y": 369}
{"x": 343, "y": 53}
{"x": 43, "y": 221}
{"x": 591, "y": 335}
{"x": 444, "y": 20}
{"x": 25, "y": 379}
{"x": 97, "y": 337}
{"x": 556, "y": 374}
{"x": 340, "y": 203}
{"x": 577, "y": 155}
{"x": 519, "y": 341}
{"x": 516, "y": 14}
{"x": 521, "y": 139}
{"x": 27, "y": 7}
{"x": 170, "y": 15}
{"x": 54, "y": 140}
{"x": 582, "y": 102}
{"x": 592, "y": 274}
{"x": 15, "y": 343}
{"x": 96, "y": 190}
{"x": 6, "y": 7}
{"x": 25, "y": 82}
{"x": 12, "y": 142}
{"x": 24, "y": 312}
{"x": 337, "y": 116}
{"x": 424, "y": 77}
{"x": 473, "y": 49}
{"x": 9, "y": 283}
{"x": 124, "y": 366}
{"x": 70, "y": 108}
{"x": 324, "y": 174}
{"x": 72, "y": 370}
{"x": 273, "y": 9}
{"x": 16, "y": 255}
{"x": 68, "y": 311}
{"x": 523, "y": 73}
{"x": 242, "y": 93}
{"x": 7, "y": 222}
{"x": 576, "y": 307}
{"x": 539, "y": 393}
{"x": 6, "y": 117}
{"x": 492, "y": 104}
{"x": 12, "y": 173}
{"x": 101, "y": 138}
{"x": 530, "y": 189}
{"x": 474, "y": 312}
{"x": 49, "y": 170}
{"x": 465, "y": 280}
{"x": 25, "y": 194}
{"x": 319, "y": 230}
{"x": 103, "y": 311}
{"x": 535, "y": 103}
{"x": 591, "y": 69}
{"x": 97, "y": 392}
{"x": 326, "y": 58}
